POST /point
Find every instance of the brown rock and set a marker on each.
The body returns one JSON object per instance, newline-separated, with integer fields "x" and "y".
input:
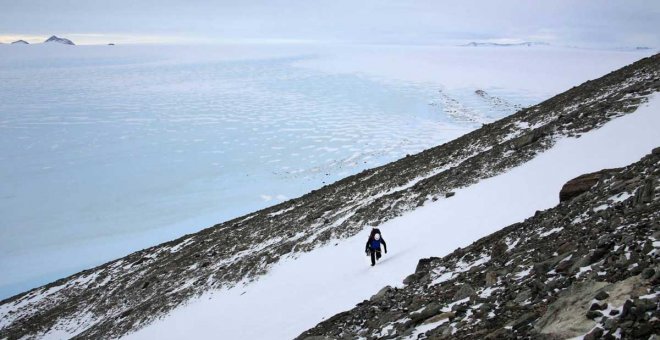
{"x": 491, "y": 278}
{"x": 581, "y": 184}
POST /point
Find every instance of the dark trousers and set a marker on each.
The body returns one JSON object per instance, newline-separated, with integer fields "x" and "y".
{"x": 375, "y": 255}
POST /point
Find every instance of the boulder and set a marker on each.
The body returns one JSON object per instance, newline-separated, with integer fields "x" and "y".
{"x": 580, "y": 185}
{"x": 381, "y": 293}
{"x": 566, "y": 317}
{"x": 439, "y": 317}
{"x": 498, "y": 249}
{"x": 463, "y": 292}
{"x": 424, "y": 264}
{"x": 527, "y": 139}
{"x": 602, "y": 295}
{"x": 596, "y": 333}
{"x": 524, "y": 320}
{"x": 428, "y": 311}
{"x": 491, "y": 278}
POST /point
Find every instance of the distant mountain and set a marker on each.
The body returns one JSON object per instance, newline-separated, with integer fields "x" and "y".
{"x": 56, "y": 39}
{"x": 527, "y": 43}
{"x": 20, "y": 42}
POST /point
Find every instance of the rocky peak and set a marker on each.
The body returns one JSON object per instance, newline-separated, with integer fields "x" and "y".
{"x": 20, "y": 42}
{"x": 56, "y": 39}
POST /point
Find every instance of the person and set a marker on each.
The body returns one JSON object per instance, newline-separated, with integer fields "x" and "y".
{"x": 373, "y": 246}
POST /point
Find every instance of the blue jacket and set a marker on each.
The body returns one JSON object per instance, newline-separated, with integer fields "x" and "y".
{"x": 374, "y": 244}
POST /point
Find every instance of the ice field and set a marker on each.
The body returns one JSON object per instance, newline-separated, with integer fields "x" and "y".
{"x": 105, "y": 150}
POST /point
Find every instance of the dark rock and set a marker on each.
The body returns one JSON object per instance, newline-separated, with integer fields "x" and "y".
{"x": 526, "y": 139}
{"x": 450, "y": 194}
{"x": 592, "y": 314}
{"x": 602, "y": 295}
{"x": 524, "y": 320}
{"x": 439, "y": 317}
{"x": 498, "y": 250}
{"x": 523, "y": 296}
{"x": 626, "y": 309}
{"x": 423, "y": 265}
{"x": 459, "y": 309}
{"x": 645, "y": 305}
{"x": 642, "y": 330}
{"x": 382, "y": 293}
{"x": 463, "y": 292}
{"x": 429, "y": 311}
{"x": 597, "y": 255}
{"x": 648, "y": 273}
{"x": 596, "y": 333}
{"x": 646, "y": 193}
{"x": 564, "y": 266}
{"x": 611, "y": 323}
{"x": 411, "y": 278}
{"x": 596, "y": 306}
{"x": 565, "y": 247}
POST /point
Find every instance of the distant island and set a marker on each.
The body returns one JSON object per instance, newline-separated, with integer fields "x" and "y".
{"x": 527, "y": 43}
{"x": 56, "y": 39}
{"x": 52, "y": 39}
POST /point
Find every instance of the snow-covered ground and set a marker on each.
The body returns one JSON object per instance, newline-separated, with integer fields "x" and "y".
{"x": 298, "y": 293}
{"x": 105, "y": 150}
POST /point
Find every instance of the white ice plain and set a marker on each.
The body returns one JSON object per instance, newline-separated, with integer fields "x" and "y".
{"x": 298, "y": 293}
{"x": 106, "y": 150}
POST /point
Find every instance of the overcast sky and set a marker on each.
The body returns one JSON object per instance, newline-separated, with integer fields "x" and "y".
{"x": 592, "y": 23}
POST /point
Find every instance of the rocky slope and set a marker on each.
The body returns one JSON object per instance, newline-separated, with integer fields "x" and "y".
{"x": 123, "y": 295}
{"x": 590, "y": 266}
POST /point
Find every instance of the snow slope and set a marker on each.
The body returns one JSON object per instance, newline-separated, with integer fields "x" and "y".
{"x": 298, "y": 293}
